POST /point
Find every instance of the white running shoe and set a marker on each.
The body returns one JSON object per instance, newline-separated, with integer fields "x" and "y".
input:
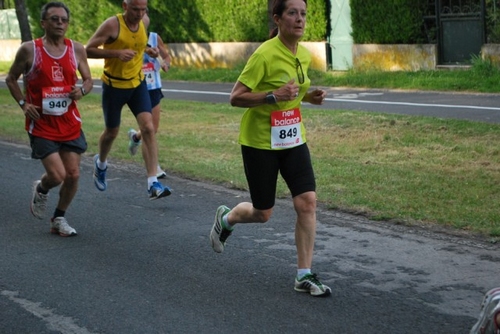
{"x": 38, "y": 202}
{"x": 310, "y": 283}
{"x": 490, "y": 311}
{"x": 59, "y": 225}
{"x": 219, "y": 234}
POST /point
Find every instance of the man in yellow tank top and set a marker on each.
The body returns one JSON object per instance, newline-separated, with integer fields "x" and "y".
{"x": 122, "y": 40}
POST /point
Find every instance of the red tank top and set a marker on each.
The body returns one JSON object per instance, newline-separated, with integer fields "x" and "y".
{"x": 48, "y": 84}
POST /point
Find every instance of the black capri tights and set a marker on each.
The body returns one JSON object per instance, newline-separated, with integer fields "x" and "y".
{"x": 262, "y": 167}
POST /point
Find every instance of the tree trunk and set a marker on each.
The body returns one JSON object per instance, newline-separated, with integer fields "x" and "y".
{"x": 270, "y": 21}
{"x": 22, "y": 17}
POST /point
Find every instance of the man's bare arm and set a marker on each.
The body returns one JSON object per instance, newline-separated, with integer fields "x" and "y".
{"x": 84, "y": 70}
{"x": 105, "y": 34}
{"x": 165, "y": 55}
{"x": 22, "y": 63}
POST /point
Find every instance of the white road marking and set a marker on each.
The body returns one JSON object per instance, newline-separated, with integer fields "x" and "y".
{"x": 413, "y": 104}
{"x": 55, "y": 322}
{"x": 350, "y": 98}
{"x": 195, "y": 92}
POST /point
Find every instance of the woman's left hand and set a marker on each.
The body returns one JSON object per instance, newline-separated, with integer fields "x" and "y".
{"x": 316, "y": 96}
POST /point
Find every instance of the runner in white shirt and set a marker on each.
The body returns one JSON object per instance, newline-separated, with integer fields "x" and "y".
{"x": 151, "y": 69}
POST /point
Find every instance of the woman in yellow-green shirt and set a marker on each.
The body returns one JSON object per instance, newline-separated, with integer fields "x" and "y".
{"x": 272, "y": 86}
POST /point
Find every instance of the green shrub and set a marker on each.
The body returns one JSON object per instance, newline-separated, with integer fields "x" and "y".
{"x": 388, "y": 21}
{"x": 181, "y": 21}
{"x": 85, "y": 16}
{"x": 195, "y": 21}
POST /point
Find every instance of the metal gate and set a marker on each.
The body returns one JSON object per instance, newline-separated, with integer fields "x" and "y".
{"x": 461, "y": 30}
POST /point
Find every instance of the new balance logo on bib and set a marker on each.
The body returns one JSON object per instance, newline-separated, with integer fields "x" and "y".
{"x": 286, "y": 128}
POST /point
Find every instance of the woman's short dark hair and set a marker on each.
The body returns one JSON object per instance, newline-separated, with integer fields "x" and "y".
{"x": 278, "y": 9}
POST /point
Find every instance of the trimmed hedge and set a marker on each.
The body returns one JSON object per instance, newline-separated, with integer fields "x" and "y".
{"x": 193, "y": 21}
{"x": 196, "y": 21}
{"x": 388, "y": 21}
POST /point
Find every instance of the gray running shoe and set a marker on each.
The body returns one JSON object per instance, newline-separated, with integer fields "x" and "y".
{"x": 218, "y": 234}
{"x": 59, "y": 225}
{"x": 132, "y": 144}
{"x": 310, "y": 283}
{"x": 490, "y": 309}
{"x": 38, "y": 202}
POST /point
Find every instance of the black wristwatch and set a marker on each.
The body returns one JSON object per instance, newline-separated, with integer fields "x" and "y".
{"x": 21, "y": 102}
{"x": 271, "y": 98}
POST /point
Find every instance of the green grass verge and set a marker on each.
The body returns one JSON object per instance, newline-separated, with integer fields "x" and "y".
{"x": 388, "y": 167}
{"x": 482, "y": 77}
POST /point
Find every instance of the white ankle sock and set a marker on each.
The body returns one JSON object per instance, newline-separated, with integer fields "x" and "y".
{"x": 226, "y": 224}
{"x": 302, "y": 272}
{"x": 102, "y": 165}
{"x": 151, "y": 180}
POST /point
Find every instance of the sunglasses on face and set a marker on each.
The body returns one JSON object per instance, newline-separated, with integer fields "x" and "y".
{"x": 57, "y": 19}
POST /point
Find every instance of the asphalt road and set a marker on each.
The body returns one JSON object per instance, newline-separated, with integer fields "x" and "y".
{"x": 467, "y": 106}
{"x": 140, "y": 266}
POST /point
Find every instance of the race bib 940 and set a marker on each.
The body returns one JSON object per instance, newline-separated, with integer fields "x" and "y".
{"x": 285, "y": 128}
{"x": 56, "y": 100}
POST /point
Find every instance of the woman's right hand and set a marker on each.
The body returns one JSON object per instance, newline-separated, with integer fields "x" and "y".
{"x": 288, "y": 92}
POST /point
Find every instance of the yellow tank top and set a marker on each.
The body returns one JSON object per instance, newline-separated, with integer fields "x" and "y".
{"x": 121, "y": 74}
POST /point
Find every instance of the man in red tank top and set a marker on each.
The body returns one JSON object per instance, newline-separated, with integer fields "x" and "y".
{"x": 49, "y": 65}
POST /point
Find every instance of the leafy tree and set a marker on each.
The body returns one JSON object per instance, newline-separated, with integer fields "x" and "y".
{"x": 6, "y": 4}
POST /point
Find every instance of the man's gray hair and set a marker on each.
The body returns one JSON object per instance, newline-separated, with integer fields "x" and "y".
{"x": 49, "y": 5}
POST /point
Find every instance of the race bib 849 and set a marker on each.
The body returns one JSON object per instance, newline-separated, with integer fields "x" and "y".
{"x": 285, "y": 128}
